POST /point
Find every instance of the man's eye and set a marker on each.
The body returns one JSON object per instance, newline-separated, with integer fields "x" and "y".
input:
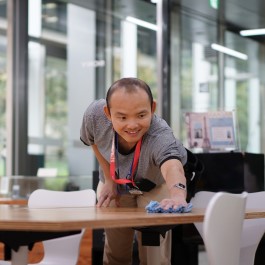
{"x": 141, "y": 115}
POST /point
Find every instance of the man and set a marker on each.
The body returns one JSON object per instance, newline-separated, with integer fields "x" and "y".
{"x": 140, "y": 160}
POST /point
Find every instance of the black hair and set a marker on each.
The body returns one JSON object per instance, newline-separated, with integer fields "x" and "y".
{"x": 130, "y": 84}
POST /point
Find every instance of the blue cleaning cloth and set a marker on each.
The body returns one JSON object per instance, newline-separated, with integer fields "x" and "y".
{"x": 154, "y": 207}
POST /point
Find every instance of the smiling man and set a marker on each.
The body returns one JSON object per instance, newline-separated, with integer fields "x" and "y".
{"x": 140, "y": 160}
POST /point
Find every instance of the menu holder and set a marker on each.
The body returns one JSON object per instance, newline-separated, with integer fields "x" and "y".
{"x": 211, "y": 131}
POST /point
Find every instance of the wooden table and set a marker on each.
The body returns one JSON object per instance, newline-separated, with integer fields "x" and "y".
{"x": 13, "y": 201}
{"x": 20, "y": 218}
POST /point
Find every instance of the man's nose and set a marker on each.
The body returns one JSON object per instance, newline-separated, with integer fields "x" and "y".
{"x": 132, "y": 123}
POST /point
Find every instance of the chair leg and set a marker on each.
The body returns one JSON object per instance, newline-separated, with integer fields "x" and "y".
{"x": 153, "y": 255}
{"x": 21, "y": 256}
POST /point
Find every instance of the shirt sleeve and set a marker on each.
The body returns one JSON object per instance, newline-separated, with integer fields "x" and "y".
{"x": 87, "y": 130}
{"x": 171, "y": 149}
{"x": 165, "y": 145}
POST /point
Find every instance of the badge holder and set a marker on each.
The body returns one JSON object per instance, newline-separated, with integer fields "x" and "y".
{"x": 135, "y": 191}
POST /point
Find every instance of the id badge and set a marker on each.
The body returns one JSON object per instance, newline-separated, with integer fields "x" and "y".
{"x": 135, "y": 192}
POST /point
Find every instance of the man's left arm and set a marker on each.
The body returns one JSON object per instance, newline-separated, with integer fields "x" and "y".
{"x": 173, "y": 173}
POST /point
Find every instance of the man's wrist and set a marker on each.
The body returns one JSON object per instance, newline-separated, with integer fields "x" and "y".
{"x": 180, "y": 186}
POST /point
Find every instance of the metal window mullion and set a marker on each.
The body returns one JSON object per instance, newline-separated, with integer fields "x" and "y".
{"x": 17, "y": 39}
{"x": 163, "y": 67}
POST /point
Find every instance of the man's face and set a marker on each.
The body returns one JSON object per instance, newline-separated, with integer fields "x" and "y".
{"x": 130, "y": 114}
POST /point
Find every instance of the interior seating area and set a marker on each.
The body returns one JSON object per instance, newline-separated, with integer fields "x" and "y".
{"x": 204, "y": 63}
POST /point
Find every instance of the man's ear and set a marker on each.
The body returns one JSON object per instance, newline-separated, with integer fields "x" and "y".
{"x": 107, "y": 112}
{"x": 153, "y": 107}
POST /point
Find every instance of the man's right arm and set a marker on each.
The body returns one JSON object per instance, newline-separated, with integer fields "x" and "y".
{"x": 104, "y": 164}
{"x": 109, "y": 191}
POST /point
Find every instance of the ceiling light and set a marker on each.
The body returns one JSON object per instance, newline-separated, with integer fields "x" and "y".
{"x": 214, "y": 3}
{"x": 141, "y": 23}
{"x": 252, "y": 32}
{"x": 228, "y": 51}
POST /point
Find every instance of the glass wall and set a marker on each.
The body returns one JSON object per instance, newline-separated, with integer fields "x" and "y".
{"x": 78, "y": 48}
{"x": 198, "y": 69}
{"x": 81, "y": 50}
{"x": 47, "y": 85}
{"x": 207, "y": 83}
{"x": 242, "y": 90}
{"x": 134, "y": 43}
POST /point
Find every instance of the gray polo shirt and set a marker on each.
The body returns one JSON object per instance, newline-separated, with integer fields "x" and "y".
{"x": 158, "y": 145}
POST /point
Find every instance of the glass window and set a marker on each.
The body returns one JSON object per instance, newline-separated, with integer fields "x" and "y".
{"x": 80, "y": 52}
{"x": 135, "y": 44}
{"x": 242, "y": 90}
{"x": 47, "y": 85}
{"x": 197, "y": 67}
{"x": 56, "y": 115}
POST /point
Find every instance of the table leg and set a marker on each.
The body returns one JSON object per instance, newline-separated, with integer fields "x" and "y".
{"x": 20, "y": 257}
{"x": 7, "y": 252}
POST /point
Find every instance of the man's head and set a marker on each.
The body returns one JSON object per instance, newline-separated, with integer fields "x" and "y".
{"x": 130, "y": 106}
{"x": 130, "y": 84}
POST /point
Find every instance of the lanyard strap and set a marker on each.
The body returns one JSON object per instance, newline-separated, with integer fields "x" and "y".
{"x": 133, "y": 166}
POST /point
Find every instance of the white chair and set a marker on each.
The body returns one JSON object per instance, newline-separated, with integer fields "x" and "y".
{"x": 201, "y": 200}
{"x": 64, "y": 250}
{"x": 222, "y": 226}
{"x": 253, "y": 229}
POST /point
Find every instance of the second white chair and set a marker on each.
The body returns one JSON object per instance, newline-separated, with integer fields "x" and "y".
{"x": 222, "y": 226}
{"x": 253, "y": 229}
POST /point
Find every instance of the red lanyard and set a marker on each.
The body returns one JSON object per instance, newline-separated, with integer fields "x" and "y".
{"x": 133, "y": 167}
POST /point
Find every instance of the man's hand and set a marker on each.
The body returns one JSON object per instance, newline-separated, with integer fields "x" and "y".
{"x": 177, "y": 201}
{"x": 173, "y": 173}
{"x": 107, "y": 194}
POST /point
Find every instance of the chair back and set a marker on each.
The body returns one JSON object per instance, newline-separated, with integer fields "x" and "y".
{"x": 222, "y": 228}
{"x": 42, "y": 198}
{"x": 201, "y": 200}
{"x": 253, "y": 229}
{"x": 64, "y": 250}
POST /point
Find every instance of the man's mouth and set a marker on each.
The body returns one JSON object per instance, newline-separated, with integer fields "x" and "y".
{"x": 132, "y": 132}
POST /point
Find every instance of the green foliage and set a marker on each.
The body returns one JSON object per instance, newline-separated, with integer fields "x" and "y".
{"x": 56, "y": 113}
{"x": 55, "y": 183}
{"x": 242, "y": 113}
